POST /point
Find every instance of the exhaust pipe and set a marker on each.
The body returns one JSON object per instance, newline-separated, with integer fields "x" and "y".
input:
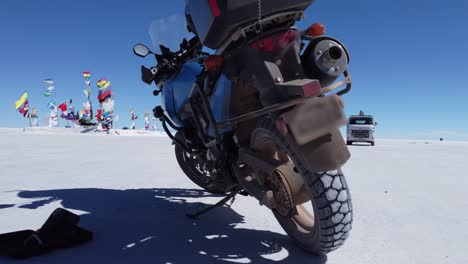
{"x": 325, "y": 59}
{"x": 335, "y": 53}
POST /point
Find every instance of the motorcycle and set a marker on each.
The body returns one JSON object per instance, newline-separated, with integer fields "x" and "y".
{"x": 260, "y": 116}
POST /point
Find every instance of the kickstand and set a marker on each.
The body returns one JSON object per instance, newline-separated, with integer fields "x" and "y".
{"x": 231, "y": 197}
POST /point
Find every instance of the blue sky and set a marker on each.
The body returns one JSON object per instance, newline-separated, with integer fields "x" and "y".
{"x": 408, "y": 58}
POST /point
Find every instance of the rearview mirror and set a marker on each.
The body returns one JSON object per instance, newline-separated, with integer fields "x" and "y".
{"x": 141, "y": 50}
{"x": 376, "y": 123}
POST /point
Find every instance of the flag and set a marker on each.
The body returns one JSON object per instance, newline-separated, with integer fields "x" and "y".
{"x": 34, "y": 113}
{"x": 52, "y": 105}
{"x": 87, "y": 75}
{"x": 63, "y": 107}
{"x": 21, "y": 101}
{"x": 99, "y": 114}
{"x": 49, "y": 91}
{"x": 101, "y": 82}
{"x": 105, "y": 85}
{"x": 24, "y": 109}
{"x": 108, "y": 106}
{"x": 49, "y": 81}
{"x": 102, "y": 96}
{"x": 71, "y": 114}
{"x": 34, "y": 118}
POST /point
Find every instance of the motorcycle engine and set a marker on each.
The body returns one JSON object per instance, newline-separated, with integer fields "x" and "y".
{"x": 325, "y": 59}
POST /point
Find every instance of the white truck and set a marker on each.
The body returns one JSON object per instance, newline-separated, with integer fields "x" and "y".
{"x": 360, "y": 128}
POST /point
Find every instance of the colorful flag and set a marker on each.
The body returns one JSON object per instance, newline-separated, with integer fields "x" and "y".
{"x": 103, "y": 95}
{"x": 49, "y": 91}
{"x": 52, "y": 105}
{"x": 71, "y": 112}
{"x": 24, "y": 109}
{"x": 99, "y": 115}
{"x": 49, "y": 81}
{"x": 87, "y": 75}
{"x": 108, "y": 106}
{"x": 34, "y": 118}
{"x": 101, "y": 83}
{"x": 21, "y": 101}
{"x": 63, "y": 107}
{"x": 34, "y": 113}
{"x": 105, "y": 85}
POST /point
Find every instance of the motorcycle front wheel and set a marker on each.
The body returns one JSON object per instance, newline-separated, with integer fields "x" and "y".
{"x": 322, "y": 224}
{"x": 194, "y": 167}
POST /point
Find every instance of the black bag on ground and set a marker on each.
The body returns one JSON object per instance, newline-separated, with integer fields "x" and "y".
{"x": 59, "y": 231}
{"x": 20, "y": 244}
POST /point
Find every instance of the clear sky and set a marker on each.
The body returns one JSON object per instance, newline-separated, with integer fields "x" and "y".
{"x": 408, "y": 58}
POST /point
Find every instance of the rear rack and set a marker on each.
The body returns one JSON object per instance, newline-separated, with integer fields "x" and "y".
{"x": 281, "y": 106}
{"x": 252, "y": 27}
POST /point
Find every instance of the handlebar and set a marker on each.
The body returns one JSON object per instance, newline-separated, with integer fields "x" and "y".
{"x": 171, "y": 62}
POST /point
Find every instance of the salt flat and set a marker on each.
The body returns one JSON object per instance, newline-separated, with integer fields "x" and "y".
{"x": 409, "y": 201}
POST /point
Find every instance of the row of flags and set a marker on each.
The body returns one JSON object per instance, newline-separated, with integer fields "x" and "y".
{"x": 84, "y": 116}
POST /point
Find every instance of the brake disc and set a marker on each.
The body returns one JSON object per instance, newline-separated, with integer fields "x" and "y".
{"x": 281, "y": 193}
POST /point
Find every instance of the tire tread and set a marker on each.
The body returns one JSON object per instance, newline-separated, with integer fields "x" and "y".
{"x": 333, "y": 230}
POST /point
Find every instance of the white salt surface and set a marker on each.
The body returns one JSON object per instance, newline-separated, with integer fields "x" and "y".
{"x": 409, "y": 201}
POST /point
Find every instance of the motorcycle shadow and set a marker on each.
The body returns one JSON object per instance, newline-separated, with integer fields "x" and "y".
{"x": 150, "y": 226}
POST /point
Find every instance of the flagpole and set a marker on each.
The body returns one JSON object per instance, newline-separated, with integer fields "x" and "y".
{"x": 89, "y": 99}
{"x": 66, "y": 117}
{"x": 56, "y": 108}
{"x": 51, "y": 81}
{"x": 29, "y": 113}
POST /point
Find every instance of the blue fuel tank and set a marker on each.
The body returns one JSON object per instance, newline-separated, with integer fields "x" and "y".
{"x": 176, "y": 93}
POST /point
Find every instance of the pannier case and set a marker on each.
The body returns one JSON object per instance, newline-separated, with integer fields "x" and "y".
{"x": 216, "y": 20}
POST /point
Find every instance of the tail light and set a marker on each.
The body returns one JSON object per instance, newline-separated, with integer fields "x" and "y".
{"x": 275, "y": 42}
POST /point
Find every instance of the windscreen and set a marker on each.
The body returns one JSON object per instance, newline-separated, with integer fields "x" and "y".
{"x": 169, "y": 31}
{"x": 361, "y": 121}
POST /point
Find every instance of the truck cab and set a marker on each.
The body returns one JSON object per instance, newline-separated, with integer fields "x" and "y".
{"x": 360, "y": 128}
